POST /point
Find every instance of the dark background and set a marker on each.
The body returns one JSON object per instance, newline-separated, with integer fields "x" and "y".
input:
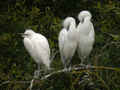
{"x": 45, "y": 17}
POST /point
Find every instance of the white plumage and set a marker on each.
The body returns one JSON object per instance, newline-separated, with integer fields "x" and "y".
{"x": 86, "y": 35}
{"x": 67, "y": 41}
{"x": 38, "y": 47}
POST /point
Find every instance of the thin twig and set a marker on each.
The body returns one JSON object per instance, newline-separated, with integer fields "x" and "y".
{"x": 55, "y": 72}
{"x": 81, "y": 67}
{"x": 31, "y": 84}
{"x": 53, "y": 54}
{"x": 106, "y": 45}
{"x": 73, "y": 70}
{"x": 6, "y": 82}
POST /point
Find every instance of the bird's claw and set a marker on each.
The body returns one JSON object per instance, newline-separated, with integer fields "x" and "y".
{"x": 37, "y": 74}
{"x": 88, "y": 66}
{"x": 81, "y": 65}
{"x": 66, "y": 70}
{"x": 70, "y": 68}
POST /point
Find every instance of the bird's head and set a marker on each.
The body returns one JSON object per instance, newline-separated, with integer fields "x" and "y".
{"x": 68, "y": 22}
{"x": 83, "y": 14}
{"x": 27, "y": 33}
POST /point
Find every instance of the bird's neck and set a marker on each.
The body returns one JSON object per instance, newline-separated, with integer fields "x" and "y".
{"x": 87, "y": 20}
{"x": 87, "y": 25}
{"x": 72, "y": 26}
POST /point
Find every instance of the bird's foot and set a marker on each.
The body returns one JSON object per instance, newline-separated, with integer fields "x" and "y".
{"x": 88, "y": 66}
{"x": 66, "y": 70}
{"x": 37, "y": 74}
{"x": 82, "y": 65}
{"x": 69, "y": 69}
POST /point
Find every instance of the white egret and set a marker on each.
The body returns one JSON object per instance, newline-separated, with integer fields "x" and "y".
{"x": 67, "y": 41}
{"x": 86, "y": 35}
{"x": 37, "y": 46}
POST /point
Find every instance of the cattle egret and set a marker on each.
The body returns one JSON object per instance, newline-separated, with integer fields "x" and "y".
{"x": 37, "y": 46}
{"x": 67, "y": 41}
{"x": 86, "y": 35}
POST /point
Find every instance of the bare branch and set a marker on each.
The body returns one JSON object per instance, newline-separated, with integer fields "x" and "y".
{"x": 53, "y": 54}
{"x": 7, "y": 82}
{"x": 81, "y": 67}
{"x": 77, "y": 68}
{"x": 3, "y": 83}
{"x": 31, "y": 84}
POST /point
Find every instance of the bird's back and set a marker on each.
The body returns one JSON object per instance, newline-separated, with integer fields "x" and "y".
{"x": 67, "y": 46}
{"x": 67, "y": 41}
{"x": 42, "y": 49}
{"x": 29, "y": 46}
{"x": 38, "y": 48}
{"x": 86, "y": 38}
{"x": 62, "y": 38}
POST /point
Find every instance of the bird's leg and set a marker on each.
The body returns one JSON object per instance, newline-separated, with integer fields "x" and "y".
{"x": 82, "y": 60}
{"x": 89, "y": 63}
{"x": 70, "y": 67}
{"x": 64, "y": 63}
{"x": 65, "y": 67}
{"x": 37, "y": 72}
{"x": 88, "y": 60}
{"x": 70, "y": 64}
{"x": 45, "y": 70}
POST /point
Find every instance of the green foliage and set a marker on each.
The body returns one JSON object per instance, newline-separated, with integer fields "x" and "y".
{"x": 46, "y": 17}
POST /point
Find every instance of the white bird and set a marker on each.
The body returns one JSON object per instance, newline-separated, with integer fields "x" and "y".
{"x": 37, "y": 46}
{"x": 86, "y": 35}
{"x": 67, "y": 41}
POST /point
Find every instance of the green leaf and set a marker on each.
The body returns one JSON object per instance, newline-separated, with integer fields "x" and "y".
{"x": 115, "y": 37}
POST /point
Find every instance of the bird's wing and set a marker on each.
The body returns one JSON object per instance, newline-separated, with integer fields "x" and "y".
{"x": 79, "y": 26}
{"x": 92, "y": 33}
{"x": 62, "y": 38}
{"x": 28, "y": 45}
{"x": 42, "y": 44}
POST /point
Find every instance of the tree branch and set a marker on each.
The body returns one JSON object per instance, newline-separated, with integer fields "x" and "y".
{"x": 81, "y": 67}
{"x": 6, "y": 82}
{"x": 76, "y": 68}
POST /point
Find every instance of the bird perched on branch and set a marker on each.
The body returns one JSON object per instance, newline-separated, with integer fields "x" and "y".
{"x": 37, "y": 46}
{"x": 86, "y": 35}
{"x": 67, "y": 41}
